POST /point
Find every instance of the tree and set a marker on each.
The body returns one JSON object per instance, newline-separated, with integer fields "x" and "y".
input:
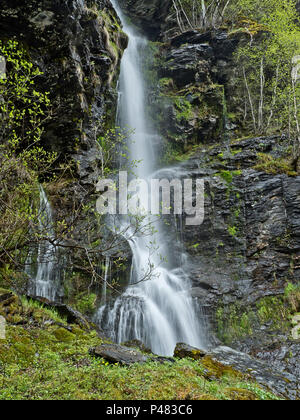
{"x": 23, "y": 112}
{"x": 200, "y": 14}
{"x": 268, "y": 67}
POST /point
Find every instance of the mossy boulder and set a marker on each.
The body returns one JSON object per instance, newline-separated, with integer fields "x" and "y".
{"x": 71, "y": 315}
{"x": 183, "y": 351}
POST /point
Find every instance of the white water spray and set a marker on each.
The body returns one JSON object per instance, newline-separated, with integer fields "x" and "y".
{"x": 44, "y": 274}
{"x": 156, "y": 307}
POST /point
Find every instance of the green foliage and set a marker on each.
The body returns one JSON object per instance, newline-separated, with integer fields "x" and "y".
{"x": 271, "y": 165}
{"x": 228, "y": 176}
{"x": 232, "y": 324}
{"x": 184, "y": 109}
{"x": 233, "y": 231}
{"x": 235, "y": 322}
{"x": 261, "y": 12}
{"x": 292, "y": 296}
{"x": 269, "y": 92}
{"x": 86, "y": 303}
{"x": 41, "y": 314}
{"x": 23, "y": 112}
{"x": 113, "y": 146}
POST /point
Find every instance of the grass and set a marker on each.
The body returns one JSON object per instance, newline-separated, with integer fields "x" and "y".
{"x": 271, "y": 165}
{"x": 41, "y": 360}
{"x": 40, "y": 312}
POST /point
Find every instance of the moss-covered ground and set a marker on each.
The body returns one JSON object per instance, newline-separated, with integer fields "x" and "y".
{"x": 42, "y": 357}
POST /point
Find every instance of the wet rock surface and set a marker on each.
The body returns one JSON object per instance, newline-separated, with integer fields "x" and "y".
{"x": 246, "y": 254}
{"x": 285, "y": 385}
{"x": 149, "y": 16}
{"x": 198, "y": 87}
{"x": 274, "y": 378}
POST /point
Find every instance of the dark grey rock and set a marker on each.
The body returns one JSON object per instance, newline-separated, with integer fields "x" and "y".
{"x": 285, "y": 385}
{"x": 137, "y": 344}
{"x": 256, "y": 262}
{"x": 115, "y": 353}
{"x": 148, "y": 15}
{"x": 72, "y": 316}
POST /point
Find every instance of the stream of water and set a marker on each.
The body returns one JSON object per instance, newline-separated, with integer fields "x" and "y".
{"x": 156, "y": 307}
{"x": 42, "y": 266}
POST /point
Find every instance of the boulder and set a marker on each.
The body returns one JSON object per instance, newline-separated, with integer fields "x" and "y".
{"x": 114, "y": 353}
{"x": 183, "y": 350}
{"x": 184, "y": 63}
{"x": 72, "y": 316}
{"x": 10, "y": 306}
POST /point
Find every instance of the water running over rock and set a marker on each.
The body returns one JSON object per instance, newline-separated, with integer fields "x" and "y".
{"x": 156, "y": 307}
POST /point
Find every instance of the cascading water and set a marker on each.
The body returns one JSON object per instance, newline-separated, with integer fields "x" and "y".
{"x": 106, "y": 270}
{"x": 156, "y": 307}
{"x": 43, "y": 269}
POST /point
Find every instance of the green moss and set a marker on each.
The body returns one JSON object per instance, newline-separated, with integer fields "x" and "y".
{"x": 228, "y": 176}
{"x": 241, "y": 394}
{"x": 184, "y": 109}
{"x": 174, "y": 154}
{"x": 61, "y": 334}
{"x": 236, "y": 322}
{"x": 292, "y": 296}
{"x": 85, "y": 303}
{"x": 233, "y": 231}
{"x": 215, "y": 370}
{"x": 44, "y": 361}
{"x": 233, "y": 322}
{"x": 166, "y": 84}
{"x": 271, "y": 165}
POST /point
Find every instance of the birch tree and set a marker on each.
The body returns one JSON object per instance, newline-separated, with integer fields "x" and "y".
{"x": 200, "y": 14}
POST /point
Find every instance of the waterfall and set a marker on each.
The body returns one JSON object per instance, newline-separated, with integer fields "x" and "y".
{"x": 42, "y": 265}
{"x": 159, "y": 310}
{"x": 106, "y": 269}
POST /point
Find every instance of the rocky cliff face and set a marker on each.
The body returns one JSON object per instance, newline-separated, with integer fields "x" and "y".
{"x": 196, "y": 87}
{"x": 246, "y": 254}
{"x": 152, "y": 17}
{"x": 78, "y": 45}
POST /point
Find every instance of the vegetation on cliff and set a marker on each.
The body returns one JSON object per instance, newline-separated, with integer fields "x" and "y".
{"x": 262, "y": 95}
{"x": 24, "y": 109}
